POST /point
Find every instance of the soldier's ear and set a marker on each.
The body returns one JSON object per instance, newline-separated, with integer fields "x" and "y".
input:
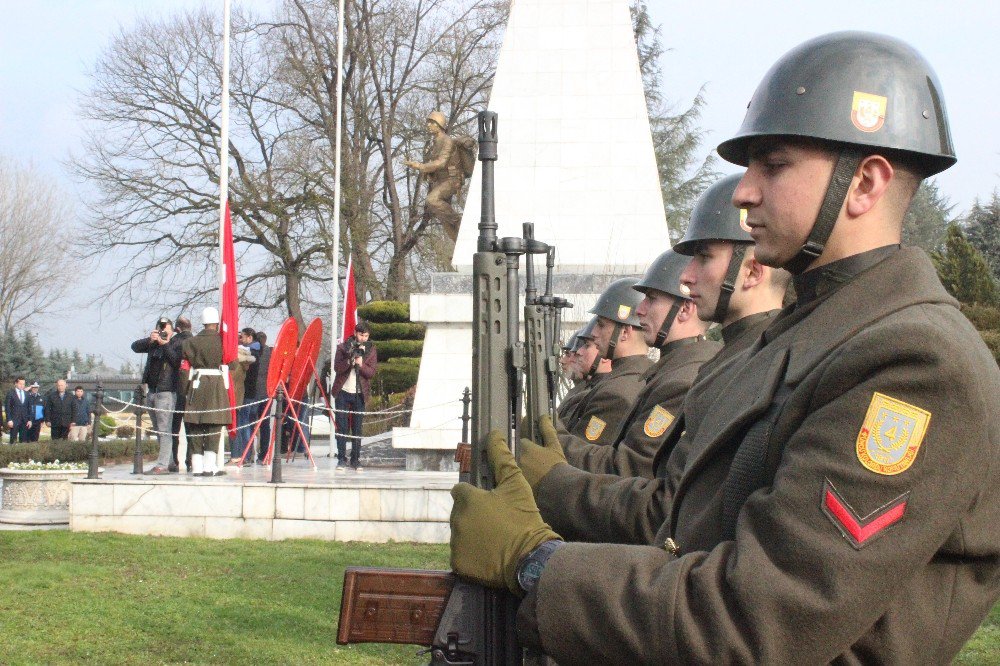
{"x": 755, "y": 274}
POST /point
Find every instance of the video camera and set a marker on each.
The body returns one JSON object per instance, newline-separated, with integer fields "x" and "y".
{"x": 357, "y": 349}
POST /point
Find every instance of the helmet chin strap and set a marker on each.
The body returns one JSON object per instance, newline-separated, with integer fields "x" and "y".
{"x": 668, "y": 322}
{"x": 847, "y": 164}
{"x": 729, "y": 282}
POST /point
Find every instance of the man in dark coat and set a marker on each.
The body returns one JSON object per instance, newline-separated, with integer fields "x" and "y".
{"x": 841, "y": 489}
{"x": 182, "y": 326}
{"x": 354, "y": 365}
{"x": 207, "y": 413}
{"x": 16, "y": 413}
{"x": 59, "y": 410}
{"x": 160, "y": 377}
{"x": 36, "y": 407}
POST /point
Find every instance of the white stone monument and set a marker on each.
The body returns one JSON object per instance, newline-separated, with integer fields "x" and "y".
{"x": 576, "y": 158}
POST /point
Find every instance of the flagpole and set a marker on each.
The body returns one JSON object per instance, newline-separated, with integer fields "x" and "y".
{"x": 224, "y": 147}
{"x": 335, "y": 328}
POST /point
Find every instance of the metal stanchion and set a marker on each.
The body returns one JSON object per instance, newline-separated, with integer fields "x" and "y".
{"x": 140, "y": 399}
{"x": 95, "y": 455}
{"x": 279, "y": 401}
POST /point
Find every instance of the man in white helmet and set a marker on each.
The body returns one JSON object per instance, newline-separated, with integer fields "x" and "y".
{"x": 207, "y": 401}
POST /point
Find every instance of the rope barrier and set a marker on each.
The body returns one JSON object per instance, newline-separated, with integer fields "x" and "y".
{"x": 389, "y": 412}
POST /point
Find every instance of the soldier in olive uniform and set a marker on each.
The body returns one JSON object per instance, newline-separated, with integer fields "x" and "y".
{"x": 617, "y": 334}
{"x": 592, "y": 369}
{"x": 207, "y": 401}
{"x": 445, "y": 173}
{"x": 842, "y": 499}
{"x": 670, "y": 322}
{"x": 572, "y": 365}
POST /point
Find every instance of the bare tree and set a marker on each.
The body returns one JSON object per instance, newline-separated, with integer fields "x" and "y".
{"x": 404, "y": 59}
{"x": 152, "y": 151}
{"x": 35, "y": 267}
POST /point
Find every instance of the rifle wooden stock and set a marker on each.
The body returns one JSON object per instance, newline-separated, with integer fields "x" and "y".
{"x": 401, "y": 606}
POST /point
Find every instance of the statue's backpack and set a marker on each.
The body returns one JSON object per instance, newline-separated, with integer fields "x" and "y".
{"x": 467, "y": 147}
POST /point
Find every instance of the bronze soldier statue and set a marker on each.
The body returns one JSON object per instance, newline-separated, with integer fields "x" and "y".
{"x": 445, "y": 172}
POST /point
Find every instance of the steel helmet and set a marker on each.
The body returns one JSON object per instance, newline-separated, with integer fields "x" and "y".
{"x": 715, "y": 218}
{"x": 618, "y": 302}
{"x": 438, "y": 118}
{"x": 664, "y": 274}
{"x": 858, "y": 88}
{"x": 862, "y": 92}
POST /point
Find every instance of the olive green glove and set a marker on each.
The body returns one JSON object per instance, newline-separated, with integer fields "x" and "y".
{"x": 492, "y": 530}
{"x": 537, "y": 461}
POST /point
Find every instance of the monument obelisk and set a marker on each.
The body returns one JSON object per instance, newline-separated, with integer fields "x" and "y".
{"x": 576, "y": 158}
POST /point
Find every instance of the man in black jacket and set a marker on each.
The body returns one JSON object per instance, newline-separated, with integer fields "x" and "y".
{"x": 183, "y": 328}
{"x": 160, "y": 377}
{"x": 15, "y": 407}
{"x": 59, "y": 410}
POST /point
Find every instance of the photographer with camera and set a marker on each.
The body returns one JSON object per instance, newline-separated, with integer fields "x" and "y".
{"x": 354, "y": 364}
{"x": 160, "y": 377}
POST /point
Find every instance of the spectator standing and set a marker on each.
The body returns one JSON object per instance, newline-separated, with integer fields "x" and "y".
{"x": 36, "y": 407}
{"x": 183, "y": 328}
{"x": 160, "y": 377}
{"x": 256, "y": 411}
{"x": 59, "y": 410}
{"x": 354, "y": 366}
{"x": 249, "y": 348}
{"x": 16, "y": 413}
{"x": 81, "y": 416}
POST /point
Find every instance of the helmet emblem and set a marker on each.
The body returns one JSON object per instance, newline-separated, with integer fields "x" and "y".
{"x": 868, "y": 111}
{"x": 624, "y": 311}
{"x": 743, "y": 220}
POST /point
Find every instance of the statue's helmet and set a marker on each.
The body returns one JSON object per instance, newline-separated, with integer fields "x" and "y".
{"x": 438, "y": 119}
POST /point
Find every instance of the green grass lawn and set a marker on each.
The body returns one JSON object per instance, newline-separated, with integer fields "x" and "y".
{"x": 120, "y": 599}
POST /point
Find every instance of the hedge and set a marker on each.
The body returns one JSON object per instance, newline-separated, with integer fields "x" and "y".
{"x": 66, "y": 451}
{"x": 983, "y": 317}
{"x": 390, "y": 349}
{"x": 992, "y": 340}
{"x": 398, "y": 331}
{"x": 397, "y": 374}
{"x": 384, "y": 312}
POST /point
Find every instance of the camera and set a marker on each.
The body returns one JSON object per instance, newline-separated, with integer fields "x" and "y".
{"x": 357, "y": 350}
{"x": 162, "y": 327}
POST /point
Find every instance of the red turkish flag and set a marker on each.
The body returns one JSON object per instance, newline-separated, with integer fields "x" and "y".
{"x": 229, "y": 313}
{"x": 350, "y": 303}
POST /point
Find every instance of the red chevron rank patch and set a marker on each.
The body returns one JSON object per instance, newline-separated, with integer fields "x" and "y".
{"x": 860, "y": 531}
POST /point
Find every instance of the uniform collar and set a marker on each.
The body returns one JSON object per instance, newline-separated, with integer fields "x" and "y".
{"x": 737, "y": 328}
{"x": 818, "y": 283}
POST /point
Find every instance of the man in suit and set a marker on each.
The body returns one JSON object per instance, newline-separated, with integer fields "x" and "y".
{"x": 59, "y": 410}
{"x": 16, "y": 412}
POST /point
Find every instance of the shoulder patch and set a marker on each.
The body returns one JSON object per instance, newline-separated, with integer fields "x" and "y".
{"x": 891, "y": 435}
{"x": 860, "y": 531}
{"x": 595, "y": 427}
{"x": 658, "y": 421}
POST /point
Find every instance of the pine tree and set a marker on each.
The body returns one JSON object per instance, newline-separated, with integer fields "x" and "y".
{"x": 982, "y": 228}
{"x": 964, "y": 272}
{"x": 927, "y": 219}
{"x": 676, "y": 136}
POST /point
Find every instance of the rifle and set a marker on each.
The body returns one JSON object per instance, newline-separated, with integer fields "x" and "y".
{"x": 460, "y": 622}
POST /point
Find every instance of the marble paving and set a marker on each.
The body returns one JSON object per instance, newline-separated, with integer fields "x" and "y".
{"x": 375, "y": 505}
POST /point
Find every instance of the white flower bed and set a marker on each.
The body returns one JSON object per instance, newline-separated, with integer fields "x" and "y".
{"x": 55, "y": 464}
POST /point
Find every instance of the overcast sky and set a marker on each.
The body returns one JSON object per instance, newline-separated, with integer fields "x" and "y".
{"x": 48, "y": 46}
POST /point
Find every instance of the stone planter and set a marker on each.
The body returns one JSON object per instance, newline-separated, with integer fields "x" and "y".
{"x": 37, "y": 497}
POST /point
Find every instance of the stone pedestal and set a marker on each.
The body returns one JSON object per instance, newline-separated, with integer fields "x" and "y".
{"x": 37, "y": 497}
